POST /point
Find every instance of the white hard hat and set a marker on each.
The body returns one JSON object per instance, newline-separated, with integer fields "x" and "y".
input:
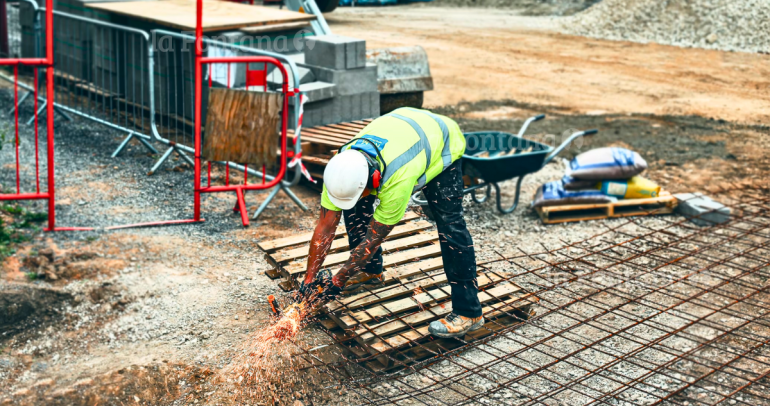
{"x": 345, "y": 178}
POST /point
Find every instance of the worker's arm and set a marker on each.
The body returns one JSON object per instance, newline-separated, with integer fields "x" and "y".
{"x": 362, "y": 254}
{"x": 322, "y": 240}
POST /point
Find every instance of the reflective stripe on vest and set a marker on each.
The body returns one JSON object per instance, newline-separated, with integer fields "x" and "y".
{"x": 446, "y": 153}
{"x": 411, "y": 153}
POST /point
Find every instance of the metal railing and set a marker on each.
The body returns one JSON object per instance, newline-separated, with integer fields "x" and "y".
{"x": 173, "y": 62}
{"x": 103, "y": 75}
{"x": 116, "y": 76}
{"x": 37, "y": 156}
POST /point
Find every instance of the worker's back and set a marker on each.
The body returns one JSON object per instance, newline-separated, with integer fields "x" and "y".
{"x": 416, "y": 145}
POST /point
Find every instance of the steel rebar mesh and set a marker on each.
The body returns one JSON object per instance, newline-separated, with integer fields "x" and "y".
{"x": 651, "y": 311}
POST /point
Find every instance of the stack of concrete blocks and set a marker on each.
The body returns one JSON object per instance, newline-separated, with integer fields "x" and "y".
{"x": 701, "y": 210}
{"x": 346, "y": 87}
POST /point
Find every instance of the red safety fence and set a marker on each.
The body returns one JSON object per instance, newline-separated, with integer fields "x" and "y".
{"x": 26, "y": 188}
{"x": 255, "y": 78}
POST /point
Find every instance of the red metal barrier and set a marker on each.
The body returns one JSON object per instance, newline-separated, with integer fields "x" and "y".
{"x": 47, "y": 64}
{"x": 239, "y": 190}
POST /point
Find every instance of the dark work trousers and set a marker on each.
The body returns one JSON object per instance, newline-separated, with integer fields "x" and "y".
{"x": 357, "y": 222}
{"x": 445, "y": 198}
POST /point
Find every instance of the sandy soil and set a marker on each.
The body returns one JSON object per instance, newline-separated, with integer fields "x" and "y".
{"x": 480, "y": 54}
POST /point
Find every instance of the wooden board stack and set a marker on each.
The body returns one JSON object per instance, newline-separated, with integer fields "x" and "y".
{"x": 387, "y": 326}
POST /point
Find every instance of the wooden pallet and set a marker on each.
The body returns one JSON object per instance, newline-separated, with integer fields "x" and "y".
{"x": 387, "y": 327}
{"x": 332, "y": 135}
{"x": 663, "y": 204}
{"x": 320, "y": 143}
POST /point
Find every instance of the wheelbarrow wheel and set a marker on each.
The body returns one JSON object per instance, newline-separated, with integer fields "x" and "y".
{"x": 419, "y": 199}
{"x": 484, "y": 198}
{"x": 498, "y": 197}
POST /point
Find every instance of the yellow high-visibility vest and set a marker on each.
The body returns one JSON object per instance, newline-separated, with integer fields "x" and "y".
{"x": 416, "y": 145}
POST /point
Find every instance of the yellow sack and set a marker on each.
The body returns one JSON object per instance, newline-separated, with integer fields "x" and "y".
{"x": 634, "y": 188}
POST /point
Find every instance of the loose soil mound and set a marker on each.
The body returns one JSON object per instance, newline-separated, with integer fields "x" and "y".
{"x": 730, "y": 25}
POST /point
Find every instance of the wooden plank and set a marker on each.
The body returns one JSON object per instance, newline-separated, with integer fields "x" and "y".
{"x": 406, "y": 304}
{"x": 384, "y": 329}
{"x": 308, "y": 134}
{"x": 314, "y": 160}
{"x": 344, "y": 128}
{"x": 269, "y": 246}
{"x": 276, "y": 27}
{"x": 334, "y": 144}
{"x": 323, "y": 132}
{"x": 342, "y": 243}
{"x": 217, "y": 15}
{"x": 399, "y": 257}
{"x": 490, "y": 312}
{"x": 351, "y": 126}
{"x": 378, "y": 295}
{"x": 331, "y": 133}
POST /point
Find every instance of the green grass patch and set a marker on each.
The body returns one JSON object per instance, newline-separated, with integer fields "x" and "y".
{"x": 16, "y": 226}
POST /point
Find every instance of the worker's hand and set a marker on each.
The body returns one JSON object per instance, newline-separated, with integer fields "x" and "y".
{"x": 321, "y": 288}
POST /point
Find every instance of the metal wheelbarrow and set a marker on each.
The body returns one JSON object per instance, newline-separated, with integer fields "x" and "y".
{"x": 493, "y": 157}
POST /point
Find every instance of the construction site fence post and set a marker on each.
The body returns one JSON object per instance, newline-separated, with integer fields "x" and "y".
{"x": 27, "y": 175}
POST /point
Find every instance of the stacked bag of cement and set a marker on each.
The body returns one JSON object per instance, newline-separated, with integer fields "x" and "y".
{"x": 600, "y": 175}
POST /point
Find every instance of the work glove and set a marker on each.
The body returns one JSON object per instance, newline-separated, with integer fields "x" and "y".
{"x": 321, "y": 288}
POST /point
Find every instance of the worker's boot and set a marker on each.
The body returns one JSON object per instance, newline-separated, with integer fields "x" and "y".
{"x": 455, "y": 325}
{"x": 364, "y": 279}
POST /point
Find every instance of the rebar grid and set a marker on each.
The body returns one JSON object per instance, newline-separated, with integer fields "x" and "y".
{"x": 651, "y": 311}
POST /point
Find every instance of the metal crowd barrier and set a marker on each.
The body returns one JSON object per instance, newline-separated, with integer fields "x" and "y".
{"x": 240, "y": 189}
{"x": 10, "y": 30}
{"x": 116, "y": 76}
{"x": 102, "y": 75}
{"x": 30, "y": 185}
{"x": 174, "y": 82}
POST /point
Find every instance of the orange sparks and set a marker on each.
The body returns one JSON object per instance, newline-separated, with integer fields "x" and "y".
{"x": 264, "y": 358}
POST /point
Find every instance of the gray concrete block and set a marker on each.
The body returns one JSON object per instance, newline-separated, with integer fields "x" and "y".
{"x": 317, "y": 91}
{"x": 355, "y": 55}
{"x": 701, "y": 210}
{"x": 374, "y": 105}
{"x": 357, "y": 106}
{"x": 275, "y": 78}
{"x": 323, "y": 112}
{"x": 335, "y": 52}
{"x": 350, "y": 81}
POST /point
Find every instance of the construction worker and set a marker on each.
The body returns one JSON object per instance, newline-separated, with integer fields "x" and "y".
{"x": 394, "y": 156}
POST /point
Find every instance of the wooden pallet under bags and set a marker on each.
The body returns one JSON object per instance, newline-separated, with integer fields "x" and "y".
{"x": 241, "y": 126}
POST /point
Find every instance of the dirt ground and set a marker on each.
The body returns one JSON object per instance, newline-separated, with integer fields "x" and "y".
{"x": 147, "y": 316}
{"x": 495, "y": 54}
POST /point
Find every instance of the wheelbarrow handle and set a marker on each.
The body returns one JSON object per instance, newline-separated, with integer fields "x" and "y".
{"x": 528, "y": 122}
{"x": 417, "y": 200}
{"x": 566, "y": 143}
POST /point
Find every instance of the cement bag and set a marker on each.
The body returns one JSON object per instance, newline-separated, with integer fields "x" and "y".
{"x": 606, "y": 163}
{"x": 571, "y": 183}
{"x": 554, "y": 194}
{"x": 634, "y": 188}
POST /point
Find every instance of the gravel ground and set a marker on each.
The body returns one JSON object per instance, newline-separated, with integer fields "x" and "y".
{"x": 525, "y": 7}
{"x": 186, "y": 295}
{"x": 729, "y": 25}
